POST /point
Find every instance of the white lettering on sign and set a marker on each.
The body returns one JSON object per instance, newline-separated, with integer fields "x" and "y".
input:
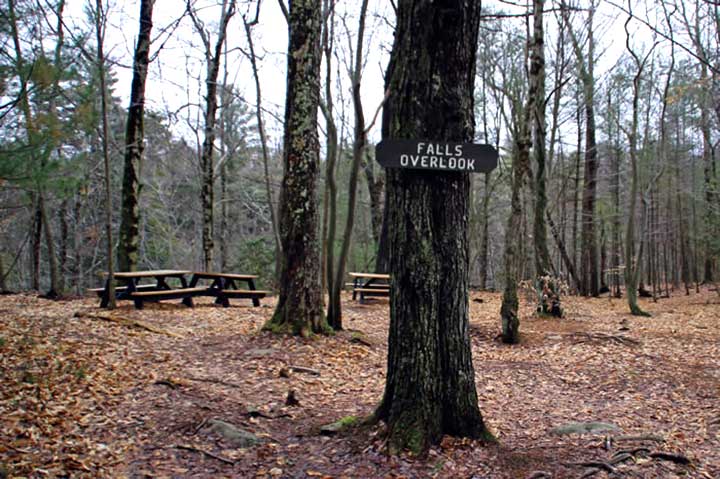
{"x": 438, "y": 156}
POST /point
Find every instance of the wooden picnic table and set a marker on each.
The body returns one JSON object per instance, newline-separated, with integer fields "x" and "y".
{"x": 370, "y": 284}
{"x": 224, "y": 287}
{"x": 139, "y": 293}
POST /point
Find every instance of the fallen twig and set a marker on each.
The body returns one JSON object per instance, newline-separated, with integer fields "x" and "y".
{"x": 594, "y": 464}
{"x": 640, "y": 437}
{"x": 302, "y": 369}
{"x": 131, "y": 323}
{"x": 202, "y": 451}
{"x": 589, "y": 337}
{"x": 214, "y": 381}
{"x": 632, "y": 452}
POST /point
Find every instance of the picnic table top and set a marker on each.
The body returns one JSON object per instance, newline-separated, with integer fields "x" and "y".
{"x": 370, "y": 275}
{"x": 208, "y": 275}
{"x": 150, "y": 274}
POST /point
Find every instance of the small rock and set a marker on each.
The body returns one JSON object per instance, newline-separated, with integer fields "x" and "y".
{"x": 232, "y": 434}
{"x": 259, "y": 352}
{"x": 584, "y": 428}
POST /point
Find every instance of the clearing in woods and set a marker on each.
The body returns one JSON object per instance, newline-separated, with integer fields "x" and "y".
{"x": 157, "y": 392}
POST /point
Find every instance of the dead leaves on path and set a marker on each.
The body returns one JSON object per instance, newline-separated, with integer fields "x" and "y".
{"x": 108, "y": 394}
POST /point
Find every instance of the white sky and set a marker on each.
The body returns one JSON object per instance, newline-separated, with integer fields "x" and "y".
{"x": 176, "y": 76}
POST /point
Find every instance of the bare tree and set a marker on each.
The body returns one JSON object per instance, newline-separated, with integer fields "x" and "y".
{"x": 129, "y": 234}
{"x": 213, "y": 56}
{"x": 299, "y": 309}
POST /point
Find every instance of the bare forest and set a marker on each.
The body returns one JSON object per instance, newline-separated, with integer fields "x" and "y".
{"x": 239, "y": 137}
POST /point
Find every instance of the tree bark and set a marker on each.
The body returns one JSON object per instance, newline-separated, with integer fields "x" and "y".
{"x": 485, "y": 240}
{"x": 299, "y": 308}
{"x": 129, "y": 235}
{"x": 632, "y": 262}
{"x": 430, "y": 388}
{"x": 543, "y": 264}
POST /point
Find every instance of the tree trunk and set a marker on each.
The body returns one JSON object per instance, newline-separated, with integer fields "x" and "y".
{"x": 36, "y": 246}
{"x": 3, "y": 275}
{"x": 55, "y": 290}
{"x": 588, "y": 241}
{"x": 430, "y": 388}
{"x": 382, "y": 261}
{"x": 64, "y": 242}
{"x": 543, "y": 264}
{"x": 359, "y": 147}
{"x": 509, "y": 310}
{"x": 207, "y": 195}
{"x": 129, "y": 235}
{"x": 632, "y": 262}
{"x": 264, "y": 147}
{"x": 299, "y": 308}
{"x": 485, "y": 240}
{"x": 100, "y": 22}
{"x": 375, "y": 184}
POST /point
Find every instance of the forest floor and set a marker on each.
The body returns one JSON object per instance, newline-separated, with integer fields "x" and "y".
{"x": 81, "y": 396}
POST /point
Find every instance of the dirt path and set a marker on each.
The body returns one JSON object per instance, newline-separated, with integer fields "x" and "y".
{"x": 85, "y": 397}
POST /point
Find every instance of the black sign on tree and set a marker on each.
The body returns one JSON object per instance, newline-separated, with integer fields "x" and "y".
{"x": 436, "y": 155}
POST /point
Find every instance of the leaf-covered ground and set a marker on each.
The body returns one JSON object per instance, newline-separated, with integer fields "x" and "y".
{"x": 81, "y": 396}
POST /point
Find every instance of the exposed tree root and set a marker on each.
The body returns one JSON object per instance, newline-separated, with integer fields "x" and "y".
{"x": 583, "y": 337}
{"x": 130, "y": 323}
{"x": 202, "y": 451}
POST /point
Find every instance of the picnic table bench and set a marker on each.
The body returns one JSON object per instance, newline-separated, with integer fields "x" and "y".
{"x": 370, "y": 284}
{"x": 223, "y": 287}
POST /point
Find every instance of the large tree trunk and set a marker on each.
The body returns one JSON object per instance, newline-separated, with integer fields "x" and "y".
{"x": 129, "y": 235}
{"x": 430, "y": 388}
{"x": 299, "y": 308}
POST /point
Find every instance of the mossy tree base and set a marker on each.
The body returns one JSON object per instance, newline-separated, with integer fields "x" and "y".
{"x": 300, "y": 309}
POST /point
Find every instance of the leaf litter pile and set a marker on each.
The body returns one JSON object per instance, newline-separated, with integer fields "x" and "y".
{"x": 171, "y": 391}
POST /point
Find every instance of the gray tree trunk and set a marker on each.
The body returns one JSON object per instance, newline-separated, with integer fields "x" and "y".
{"x": 430, "y": 388}
{"x": 129, "y": 235}
{"x": 299, "y": 308}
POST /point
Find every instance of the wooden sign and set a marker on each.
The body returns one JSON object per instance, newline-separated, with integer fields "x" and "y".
{"x": 436, "y": 155}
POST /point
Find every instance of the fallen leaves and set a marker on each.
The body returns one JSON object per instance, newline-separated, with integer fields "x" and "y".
{"x": 83, "y": 397}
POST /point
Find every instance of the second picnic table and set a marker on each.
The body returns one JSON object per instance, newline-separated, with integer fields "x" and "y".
{"x": 370, "y": 284}
{"x": 223, "y": 287}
